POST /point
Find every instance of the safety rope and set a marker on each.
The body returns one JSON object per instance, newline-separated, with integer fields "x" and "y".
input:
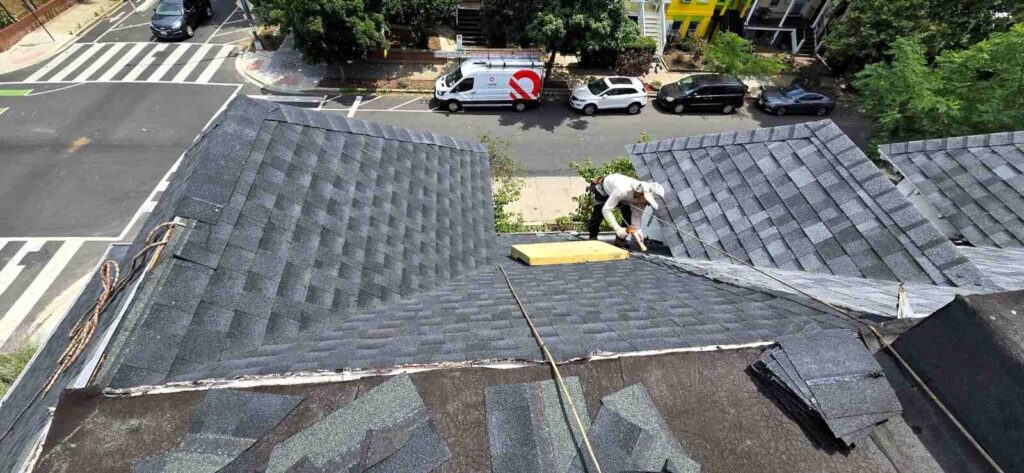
{"x": 110, "y": 276}
{"x": 558, "y": 374}
{"x": 844, "y": 313}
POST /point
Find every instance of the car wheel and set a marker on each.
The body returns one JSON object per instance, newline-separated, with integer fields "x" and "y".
{"x": 209, "y": 12}
{"x": 634, "y": 108}
{"x": 780, "y": 111}
{"x": 589, "y": 109}
{"x": 189, "y": 31}
{"x": 519, "y": 106}
{"x": 728, "y": 109}
{"x": 822, "y": 111}
{"x": 453, "y": 106}
{"x": 678, "y": 108}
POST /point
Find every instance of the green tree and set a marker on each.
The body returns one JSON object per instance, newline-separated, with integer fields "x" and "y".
{"x": 731, "y": 54}
{"x": 505, "y": 22}
{"x": 987, "y": 81}
{"x": 867, "y": 28}
{"x": 904, "y": 95}
{"x": 590, "y": 28}
{"x": 421, "y": 16}
{"x": 507, "y": 179}
{"x": 327, "y": 30}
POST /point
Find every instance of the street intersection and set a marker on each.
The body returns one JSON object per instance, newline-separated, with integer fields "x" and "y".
{"x": 90, "y": 138}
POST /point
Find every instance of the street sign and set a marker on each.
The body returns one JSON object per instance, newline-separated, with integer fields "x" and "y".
{"x": 458, "y": 42}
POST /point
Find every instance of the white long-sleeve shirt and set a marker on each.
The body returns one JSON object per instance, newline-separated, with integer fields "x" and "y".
{"x": 619, "y": 189}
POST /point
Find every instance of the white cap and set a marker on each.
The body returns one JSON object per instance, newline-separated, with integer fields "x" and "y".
{"x": 650, "y": 190}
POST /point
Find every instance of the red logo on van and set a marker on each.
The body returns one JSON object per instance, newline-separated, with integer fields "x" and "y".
{"x": 518, "y": 92}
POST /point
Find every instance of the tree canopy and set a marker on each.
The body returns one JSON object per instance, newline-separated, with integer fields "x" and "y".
{"x": 731, "y": 54}
{"x": 505, "y": 22}
{"x": 975, "y": 90}
{"x": 327, "y": 30}
{"x": 584, "y": 27}
{"x": 864, "y": 31}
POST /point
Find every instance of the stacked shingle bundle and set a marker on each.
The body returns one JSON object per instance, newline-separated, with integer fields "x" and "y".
{"x": 829, "y": 382}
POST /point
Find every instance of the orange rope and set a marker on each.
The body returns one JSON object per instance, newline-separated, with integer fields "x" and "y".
{"x": 110, "y": 277}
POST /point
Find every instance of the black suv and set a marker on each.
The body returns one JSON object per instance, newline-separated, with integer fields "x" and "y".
{"x": 179, "y": 18}
{"x": 703, "y": 92}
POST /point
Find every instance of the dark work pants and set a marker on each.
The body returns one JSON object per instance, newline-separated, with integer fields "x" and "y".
{"x": 594, "y": 225}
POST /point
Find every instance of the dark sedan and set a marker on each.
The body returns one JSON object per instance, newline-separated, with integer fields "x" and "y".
{"x": 179, "y": 18}
{"x": 795, "y": 99}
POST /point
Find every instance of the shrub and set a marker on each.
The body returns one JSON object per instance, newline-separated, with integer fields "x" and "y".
{"x": 12, "y": 364}
{"x": 506, "y": 174}
{"x": 636, "y": 57}
{"x": 731, "y": 54}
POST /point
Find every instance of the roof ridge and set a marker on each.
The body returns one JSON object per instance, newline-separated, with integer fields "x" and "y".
{"x": 1000, "y": 138}
{"x": 757, "y": 135}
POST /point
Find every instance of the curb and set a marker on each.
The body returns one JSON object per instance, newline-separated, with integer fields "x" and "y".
{"x": 74, "y": 38}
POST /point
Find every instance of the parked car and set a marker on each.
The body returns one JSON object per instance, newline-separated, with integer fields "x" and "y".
{"x": 175, "y": 19}
{"x": 491, "y": 82}
{"x": 795, "y": 99}
{"x": 610, "y": 93}
{"x": 704, "y": 92}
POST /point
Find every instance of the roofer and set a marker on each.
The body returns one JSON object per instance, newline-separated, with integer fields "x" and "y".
{"x": 616, "y": 191}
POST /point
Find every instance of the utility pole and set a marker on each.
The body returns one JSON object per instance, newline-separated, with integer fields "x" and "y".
{"x": 32, "y": 9}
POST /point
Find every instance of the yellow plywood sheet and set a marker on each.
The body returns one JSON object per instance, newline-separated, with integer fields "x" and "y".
{"x": 567, "y": 252}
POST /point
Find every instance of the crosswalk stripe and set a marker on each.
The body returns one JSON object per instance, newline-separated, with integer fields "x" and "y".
{"x": 11, "y": 271}
{"x": 215, "y": 64}
{"x": 146, "y": 61}
{"x": 192, "y": 63}
{"x": 54, "y": 63}
{"x": 122, "y": 62}
{"x": 23, "y": 306}
{"x": 88, "y": 53}
{"x": 168, "y": 63}
{"x": 97, "y": 64}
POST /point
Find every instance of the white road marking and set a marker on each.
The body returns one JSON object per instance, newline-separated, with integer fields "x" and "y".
{"x": 122, "y": 62}
{"x": 2, "y": 110}
{"x": 23, "y": 306}
{"x": 215, "y": 64}
{"x": 230, "y": 32}
{"x": 97, "y": 64}
{"x": 145, "y": 62}
{"x": 88, "y": 53}
{"x": 404, "y": 104}
{"x": 221, "y": 25}
{"x": 162, "y": 186}
{"x": 54, "y": 90}
{"x": 355, "y": 106}
{"x": 115, "y": 17}
{"x": 11, "y": 271}
{"x": 125, "y": 27}
{"x": 192, "y": 63}
{"x": 169, "y": 62}
{"x": 126, "y": 16}
{"x": 54, "y": 63}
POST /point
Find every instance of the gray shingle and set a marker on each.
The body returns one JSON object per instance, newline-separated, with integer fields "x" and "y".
{"x": 789, "y": 182}
{"x": 975, "y": 182}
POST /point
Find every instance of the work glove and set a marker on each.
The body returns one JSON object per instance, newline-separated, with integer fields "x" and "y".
{"x": 621, "y": 233}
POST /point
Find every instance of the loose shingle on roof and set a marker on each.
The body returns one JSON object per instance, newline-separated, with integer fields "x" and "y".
{"x": 975, "y": 182}
{"x": 292, "y": 217}
{"x": 796, "y": 197}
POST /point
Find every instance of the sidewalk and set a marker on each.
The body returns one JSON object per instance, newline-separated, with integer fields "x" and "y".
{"x": 37, "y": 46}
{"x": 545, "y": 198}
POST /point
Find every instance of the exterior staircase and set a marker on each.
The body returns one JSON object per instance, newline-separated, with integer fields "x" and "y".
{"x": 652, "y": 23}
{"x": 469, "y": 27}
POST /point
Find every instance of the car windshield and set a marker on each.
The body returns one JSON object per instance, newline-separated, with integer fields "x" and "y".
{"x": 792, "y": 92}
{"x": 168, "y": 8}
{"x": 597, "y": 87}
{"x": 455, "y": 76}
{"x": 686, "y": 84}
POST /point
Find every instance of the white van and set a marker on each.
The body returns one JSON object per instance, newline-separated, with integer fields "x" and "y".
{"x": 491, "y": 82}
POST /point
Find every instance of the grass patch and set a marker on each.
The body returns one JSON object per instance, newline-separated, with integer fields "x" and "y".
{"x": 11, "y": 365}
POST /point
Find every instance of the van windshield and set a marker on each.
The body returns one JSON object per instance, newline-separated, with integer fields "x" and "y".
{"x": 597, "y": 87}
{"x": 452, "y": 78}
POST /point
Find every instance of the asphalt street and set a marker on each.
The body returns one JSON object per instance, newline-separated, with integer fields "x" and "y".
{"x": 88, "y": 141}
{"x": 547, "y": 138}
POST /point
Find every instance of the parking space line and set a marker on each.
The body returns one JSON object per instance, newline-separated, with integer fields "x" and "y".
{"x": 221, "y": 25}
{"x": 404, "y": 104}
{"x": 355, "y": 106}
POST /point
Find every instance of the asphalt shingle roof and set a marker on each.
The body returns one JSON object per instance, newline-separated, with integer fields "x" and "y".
{"x": 975, "y": 182}
{"x": 796, "y": 197}
{"x": 293, "y": 217}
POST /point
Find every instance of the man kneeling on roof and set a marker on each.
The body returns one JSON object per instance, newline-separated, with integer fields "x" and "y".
{"x": 628, "y": 195}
